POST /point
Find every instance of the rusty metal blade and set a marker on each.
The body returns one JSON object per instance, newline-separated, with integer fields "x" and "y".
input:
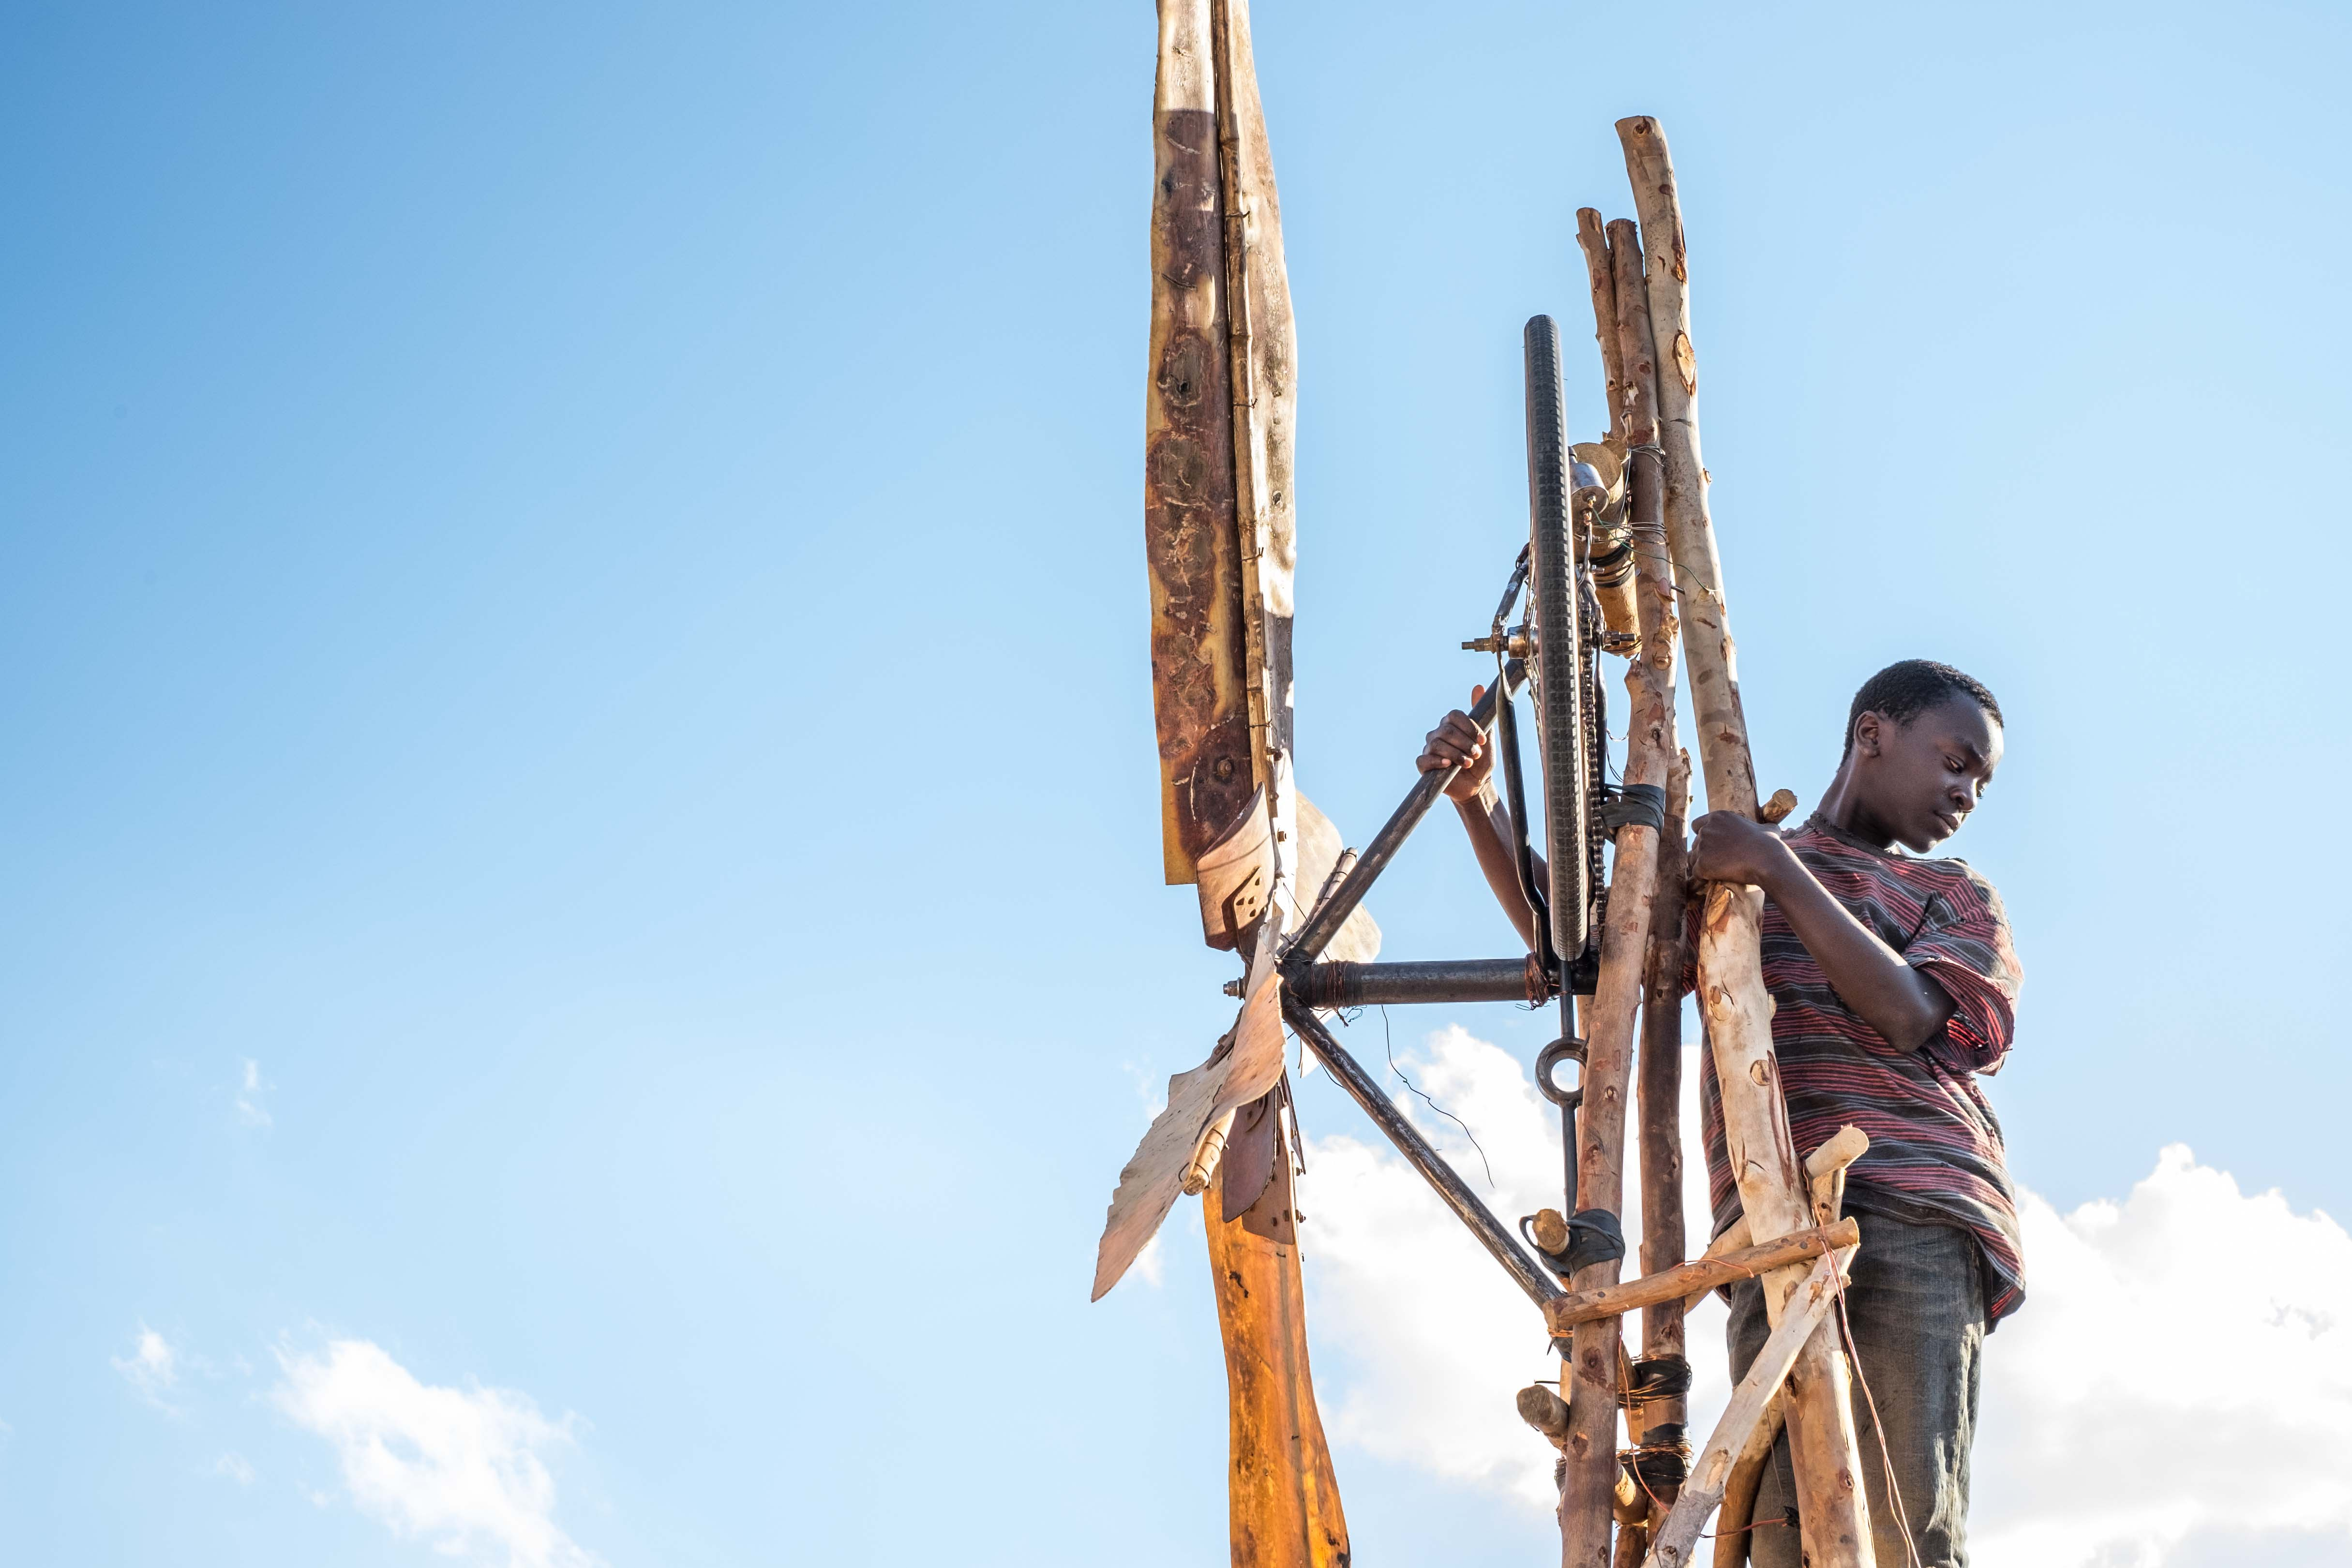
{"x": 1245, "y": 1066}
{"x": 1199, "y": 679}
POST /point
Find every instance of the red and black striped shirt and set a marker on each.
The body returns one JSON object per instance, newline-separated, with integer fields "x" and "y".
{"x": 1935, "y": 1152}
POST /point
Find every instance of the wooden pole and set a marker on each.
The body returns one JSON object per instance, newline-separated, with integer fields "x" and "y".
{"x": 1805, "y": 1315}
{"x": 1283, "y": 1496}
{"x": 1591, "y": 1450}
{"x": 1658, "y": 1090}
{"x": 1835, "y": 1512}
{"x": 1659, "y": 1085}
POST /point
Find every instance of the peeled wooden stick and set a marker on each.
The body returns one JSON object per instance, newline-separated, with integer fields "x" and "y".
{"x": 1206, "y": 1154}
{"x": 1633, "y": 360}
{"x": 1732, "y": 1536}
{"x": 1545, "y": 1411}
{"x": 1733, "y": 1239}
{"x": 1824, "y": 1172}
{"x": 1612, "y": 574}
{"x": 1801, "y": 1317}
{"x": 1565, "y": 1312}
{"x": 1591, "y": 1450}
{"x": 1732, "y": 991}
{"x": 1600, "y": 273}
{"x": 1825, "y": 1180}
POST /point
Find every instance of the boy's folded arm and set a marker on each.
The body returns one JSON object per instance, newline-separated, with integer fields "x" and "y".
{"x": 1907, "y": 1007}
{"x": 1904, "y": 1004}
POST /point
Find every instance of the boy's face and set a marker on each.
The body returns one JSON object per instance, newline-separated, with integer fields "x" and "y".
{"x": 1921, "y": 779}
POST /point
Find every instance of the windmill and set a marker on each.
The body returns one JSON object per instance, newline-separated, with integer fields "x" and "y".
{"x": 1618, "y": 540}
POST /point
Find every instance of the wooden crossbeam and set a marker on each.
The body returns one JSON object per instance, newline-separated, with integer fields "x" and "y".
{"x": 1699, "y": 1275}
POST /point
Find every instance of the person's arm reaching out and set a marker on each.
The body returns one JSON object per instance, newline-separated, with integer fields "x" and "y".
{"x": 1456, "y": 743}
{"x": 1907, "y": 1008}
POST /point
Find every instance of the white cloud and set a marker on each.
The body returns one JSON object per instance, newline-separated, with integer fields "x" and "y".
{"x": 153, "y": 1368}
{"x": 249, "y": 1108}
{"x": 2182, "y": 1371}
{"x": 1432, "y": 1339}
{"x": 459, "y": 1468}
{"x": 235, "y": 1467}
{"x": 2176, "y": 1392}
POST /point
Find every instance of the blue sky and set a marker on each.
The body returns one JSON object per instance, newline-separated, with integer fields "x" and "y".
{"x": 571, "y": 592}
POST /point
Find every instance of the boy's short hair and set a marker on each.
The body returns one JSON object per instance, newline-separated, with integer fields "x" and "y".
{"x": 1909, "y": 687}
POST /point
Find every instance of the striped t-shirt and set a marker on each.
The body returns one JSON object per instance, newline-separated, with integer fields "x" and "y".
{"x": 1935, "y": 1154}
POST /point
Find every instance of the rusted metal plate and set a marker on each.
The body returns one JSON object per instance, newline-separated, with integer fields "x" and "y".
{"x": 1263, "y": 347}
{"x": 1236, "y": 877}
{"x": 1199, "y": 680}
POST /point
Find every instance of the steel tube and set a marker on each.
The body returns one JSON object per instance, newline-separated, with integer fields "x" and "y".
{"x": 1448, "y": 980}
{"x": 1541, "y": 1287}
{"x": 1333, "y": 912}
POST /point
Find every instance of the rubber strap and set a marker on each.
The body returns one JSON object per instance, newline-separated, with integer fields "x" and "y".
{"x": 1634, "y": 806}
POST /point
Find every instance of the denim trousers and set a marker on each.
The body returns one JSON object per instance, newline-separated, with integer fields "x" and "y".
{"x": 1917, "y": 1310}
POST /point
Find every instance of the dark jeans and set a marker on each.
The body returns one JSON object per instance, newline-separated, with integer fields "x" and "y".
{"x": 1916, "y": 1306}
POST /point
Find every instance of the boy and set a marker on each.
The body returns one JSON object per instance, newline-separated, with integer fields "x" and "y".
{"x": 1896, "y": 984}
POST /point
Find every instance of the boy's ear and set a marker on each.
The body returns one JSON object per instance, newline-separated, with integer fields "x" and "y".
{"x": 1865, "y": 733}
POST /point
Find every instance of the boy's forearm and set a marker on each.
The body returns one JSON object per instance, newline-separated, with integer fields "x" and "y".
{"x": 1906, "y": 1007}
{"x": 1484, "y": 819}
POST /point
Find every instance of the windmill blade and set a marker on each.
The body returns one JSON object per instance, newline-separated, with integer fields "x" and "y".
{"x": 1246, "y": 1064}
{"x": 1238, "y": 872}
{"x": 1199, "y": 674}
{"x": 1220, "y": 413}
{"x": 1319, "y": 849}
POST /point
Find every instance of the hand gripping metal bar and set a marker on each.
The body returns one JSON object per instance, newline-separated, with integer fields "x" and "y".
{"x": 1333, "y": 912}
